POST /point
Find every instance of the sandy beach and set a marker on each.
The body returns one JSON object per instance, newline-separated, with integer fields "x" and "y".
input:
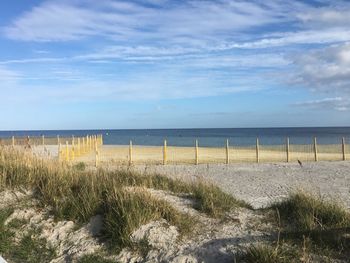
{"x": 257, "y": 183}
{"x": 261, "y": 184}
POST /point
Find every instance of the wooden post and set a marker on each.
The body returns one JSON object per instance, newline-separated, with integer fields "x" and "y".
{"x": 257, "y": 150}
{"x": 164, "y": 153}
{"x": 13, "y": 141}
{"x": 43, "y": 139}
{"x": 96, "y": 155}
{"x": 287, "y": 149}
{"x": 315, "y": 149}
{"x": 196, "y": 151}
{"x": 227, "y": 152}
{"x": 58, "y": 140}
{"x": 343, "y": 148}
{"x": 67, "y": 152}
{"x": 101, "y": 139}
{"x": 78, "y": 146}
{"x": 73, "y": 150}
{"x": 59, "y": 152}
{"x": 130, "y": 153}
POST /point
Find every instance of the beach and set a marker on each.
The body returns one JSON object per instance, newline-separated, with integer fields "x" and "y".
{"x": 261, "y": 184}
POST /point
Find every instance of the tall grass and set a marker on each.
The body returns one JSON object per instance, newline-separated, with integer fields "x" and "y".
{"x": 303, "y": 211}
{"x": 77, "y": 194}
{"x": 325, "y": 224}
{"x": 269, "y": 254}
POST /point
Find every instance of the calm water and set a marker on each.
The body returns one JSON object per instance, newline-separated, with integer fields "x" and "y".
{"x": 206, "y": 137}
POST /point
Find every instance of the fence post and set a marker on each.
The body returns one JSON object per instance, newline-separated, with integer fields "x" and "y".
{"x": 73, "y": 150}
{"x": 315, "y": 149}
{"x": 164, "y": 153}
{"x": 96, "y": 155}
{"x": 58, "y": 140}
{"x": 196, "y": 151}
{"x": 13, "y": 141}
{"x": 257, "y": 150}
{"x": 78, "y": 146}
{"x": 130, "y": 153}
{"x": 59, "y": 152}
{"x": 101, "y": 139}
{"x": 43, "y": 139}
{"x": 343, "y": 148}
{"x": 227, "y": 152}
{"x": 67, "y": 152}
{"x": 287, "y": 149}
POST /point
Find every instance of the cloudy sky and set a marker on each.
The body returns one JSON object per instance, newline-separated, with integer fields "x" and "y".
{"x": 78, "y": 64}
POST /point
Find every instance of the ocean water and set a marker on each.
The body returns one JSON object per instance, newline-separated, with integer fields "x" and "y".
{"x": 206, "y": 137}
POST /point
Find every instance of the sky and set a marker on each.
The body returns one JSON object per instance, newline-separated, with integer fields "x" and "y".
{"x": 86, "y": 64}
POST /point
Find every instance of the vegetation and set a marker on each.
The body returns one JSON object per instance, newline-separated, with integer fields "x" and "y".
{"x": 321, "y": 226}
{"x": 77, "y": 194}
{"x": 269, "y": 254}
{"x": 305, "y": 212}
{"x": 29, "y": 249}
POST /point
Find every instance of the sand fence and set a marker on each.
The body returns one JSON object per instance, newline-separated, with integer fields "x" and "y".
{"x": 91, "y": 149}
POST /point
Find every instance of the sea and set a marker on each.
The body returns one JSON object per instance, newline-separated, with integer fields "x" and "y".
{"x": 209, "y": 137}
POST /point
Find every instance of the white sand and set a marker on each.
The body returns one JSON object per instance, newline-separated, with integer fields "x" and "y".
{"x": 260, "y": 184}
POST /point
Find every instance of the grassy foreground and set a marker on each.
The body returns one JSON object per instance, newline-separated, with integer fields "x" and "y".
{"x": 75, "y": 194}
{"x": 310, "y": 229}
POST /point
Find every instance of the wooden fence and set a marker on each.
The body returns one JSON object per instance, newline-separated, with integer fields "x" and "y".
{"x": 67, "y": 149}
{"x": 166, "y": 154}
{"x": 90, "y": 149}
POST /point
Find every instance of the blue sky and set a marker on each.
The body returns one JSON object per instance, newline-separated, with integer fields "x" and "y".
{"x": 74, "y": 64}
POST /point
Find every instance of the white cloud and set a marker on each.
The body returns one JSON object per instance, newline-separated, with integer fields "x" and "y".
{"x": 325, "y": 70}
{"x": 8, "y": 75}
{"x": 336, "y": 16}
{"x": 337, "y": 103}
{"x": 176, "y": 22}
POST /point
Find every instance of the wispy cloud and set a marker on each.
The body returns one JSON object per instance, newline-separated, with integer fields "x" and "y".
{"x": 325, "y": 70}
{"x": 337, "y": 103}
{"x": 195, "y": 22}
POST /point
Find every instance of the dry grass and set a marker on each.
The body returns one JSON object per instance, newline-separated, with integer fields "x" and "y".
{"x": 75, "y": 194}
{"x": 269, "y": 254}
{"x": 321, "y": 226}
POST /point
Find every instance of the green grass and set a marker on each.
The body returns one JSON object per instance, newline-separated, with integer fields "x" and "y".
{"x": 17, "y": 223}
{"x": 269, "y": 254}
{"x": 125, "y": 211}
{"x": 325, "y": 223}
{"x": 30, "y": 249}
{"x": 5, "y": 234}
{"x": 77, "y": 194}
{"x": 306, "y": 212}
{"x": 213, "y": 201}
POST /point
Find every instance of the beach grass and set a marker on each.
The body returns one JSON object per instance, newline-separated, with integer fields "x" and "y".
{"x": 30, "y": 248}
{"x": 76, "y": 193}
{"x": 264, "y": 253}
{"x": 323, "y": 226}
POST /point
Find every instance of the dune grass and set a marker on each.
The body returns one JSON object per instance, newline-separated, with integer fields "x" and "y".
{"x": 264, "y": 253}
{"x": 29, "y": 249}
{"x": 94, "y": 259}
{"x": 325, "y": 224}
{"x": 75, "y": 193}
{"x": 305, "y": 212}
